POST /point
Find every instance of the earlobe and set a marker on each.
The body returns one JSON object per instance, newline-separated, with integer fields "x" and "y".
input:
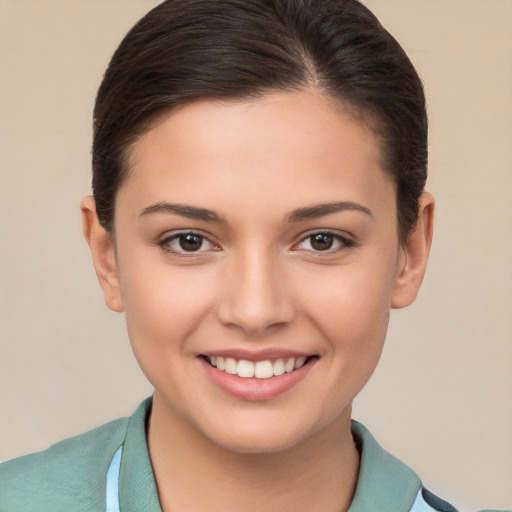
{"x": 415, "y": 255}
{"x": 103, "y": 255}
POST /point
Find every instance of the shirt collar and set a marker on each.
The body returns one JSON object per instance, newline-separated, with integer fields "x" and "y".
{"x": 137, "y": 487}
{"x": 384, "y": 483}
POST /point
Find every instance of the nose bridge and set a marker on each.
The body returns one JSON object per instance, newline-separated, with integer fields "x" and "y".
{"x": 256, "y": 296}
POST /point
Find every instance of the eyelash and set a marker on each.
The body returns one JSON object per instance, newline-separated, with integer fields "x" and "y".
{"x": 343, "y": 241}
{"x": 165, "y": 244}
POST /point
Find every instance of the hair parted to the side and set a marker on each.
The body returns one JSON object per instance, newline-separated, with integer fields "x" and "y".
{"x": 185, "y": 50}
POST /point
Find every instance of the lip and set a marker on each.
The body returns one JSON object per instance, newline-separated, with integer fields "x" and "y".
{"x": 261, "y": 355}
{"x": 252, "y": 389}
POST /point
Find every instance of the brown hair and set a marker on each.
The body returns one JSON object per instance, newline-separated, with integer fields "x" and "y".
{"x": 185, "y": 50}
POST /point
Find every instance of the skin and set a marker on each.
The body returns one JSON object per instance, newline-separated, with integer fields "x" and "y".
{"x": 257, "y": 283}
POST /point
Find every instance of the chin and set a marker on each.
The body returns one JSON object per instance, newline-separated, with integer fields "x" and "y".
{"x": 265, "y": 433}
{"x": 258, "y": 443}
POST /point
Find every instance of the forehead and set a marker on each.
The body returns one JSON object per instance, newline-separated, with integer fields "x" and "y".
{"x": 298, "y": 147}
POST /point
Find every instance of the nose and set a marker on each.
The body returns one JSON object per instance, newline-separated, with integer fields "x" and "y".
{"x": 255, "y": 297}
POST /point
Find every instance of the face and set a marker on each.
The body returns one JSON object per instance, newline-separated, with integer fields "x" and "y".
{"x": 257, "y": 260}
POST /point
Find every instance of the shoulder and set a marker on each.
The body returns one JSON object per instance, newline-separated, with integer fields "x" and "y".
{"x": 387, "y": 484}
{"x": 69, "y": 475}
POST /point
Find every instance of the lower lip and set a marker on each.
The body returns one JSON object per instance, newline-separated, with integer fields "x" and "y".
{"x": 253, "y": 389}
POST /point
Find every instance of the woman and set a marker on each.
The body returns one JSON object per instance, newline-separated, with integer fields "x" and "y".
{"x": 258, "y": 210}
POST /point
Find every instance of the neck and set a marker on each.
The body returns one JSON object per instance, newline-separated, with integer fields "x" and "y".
{"x": 194, "y": 474}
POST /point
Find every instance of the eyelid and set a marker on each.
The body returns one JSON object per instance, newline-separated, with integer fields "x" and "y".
{"x": 165, "y": 240}
{"x": 345, "y": 240}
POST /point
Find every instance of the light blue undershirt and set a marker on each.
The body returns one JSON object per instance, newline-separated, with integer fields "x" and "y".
{"x": 112, "y": 492}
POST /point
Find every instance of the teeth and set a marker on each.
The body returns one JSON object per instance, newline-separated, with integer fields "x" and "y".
{"x": 260, "y": 370}
{"x": 289, "y": 366}
{"x": 230, "y": 366}
{"x": 264, "y": 370}
{"x": 279, "y": 367}
{"x": 300, "y": 362}
{"x": 245, "y": 368}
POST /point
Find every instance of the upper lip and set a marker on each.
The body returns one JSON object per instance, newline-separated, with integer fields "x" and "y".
{"x": 257, "y": 355}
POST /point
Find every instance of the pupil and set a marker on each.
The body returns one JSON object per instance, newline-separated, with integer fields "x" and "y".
{"x": 322, "y": 242}
{"x": 191, "y": 242}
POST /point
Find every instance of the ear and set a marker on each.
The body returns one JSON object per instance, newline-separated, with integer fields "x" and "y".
{"x": 415, "y": 251}
{"x": 103, "y": 255}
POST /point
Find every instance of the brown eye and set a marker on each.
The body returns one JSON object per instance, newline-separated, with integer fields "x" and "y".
{"x": 187, "y": 242}
{"x": 190, "y": 242}
{"x": 321, "y": 241}
{"x": 325, "y": 241}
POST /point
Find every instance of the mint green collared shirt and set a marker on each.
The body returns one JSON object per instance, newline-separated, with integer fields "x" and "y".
{"x": 71, "y": 475}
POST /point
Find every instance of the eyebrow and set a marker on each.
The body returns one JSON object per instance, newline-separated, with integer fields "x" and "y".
{"x": 300, "y": 214}
{"x": 319, "y": 210}
{"x": 190, "y": 212}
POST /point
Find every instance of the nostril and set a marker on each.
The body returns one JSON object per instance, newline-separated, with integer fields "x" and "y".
{"x": 254, "y": 297}
{"x": 255, "y": 319}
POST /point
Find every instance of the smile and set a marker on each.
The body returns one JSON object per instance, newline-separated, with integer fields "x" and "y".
{"x": 256, "y": 377}
{"x": 265, "y": 369}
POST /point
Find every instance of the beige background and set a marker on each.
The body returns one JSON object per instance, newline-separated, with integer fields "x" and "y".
{"x": 441, "y": 399}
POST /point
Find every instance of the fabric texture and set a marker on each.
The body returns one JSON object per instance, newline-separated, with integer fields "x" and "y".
{"x": 71, "y": 475}
{"x": 68, "y": 476}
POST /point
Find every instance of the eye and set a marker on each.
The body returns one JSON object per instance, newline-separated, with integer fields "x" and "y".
{"x": 324, "y": 242}
{"x": 187, "y": 242}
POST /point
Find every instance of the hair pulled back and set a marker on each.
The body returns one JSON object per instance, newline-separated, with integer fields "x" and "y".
{"x": 185, "y": 50}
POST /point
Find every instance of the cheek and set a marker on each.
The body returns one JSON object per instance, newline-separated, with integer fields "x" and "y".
{"x": 163, "y": 309}
{"x": 354, "y": 297}
{"x": 351, "y": 306}
{"x": 163, "y": 304}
